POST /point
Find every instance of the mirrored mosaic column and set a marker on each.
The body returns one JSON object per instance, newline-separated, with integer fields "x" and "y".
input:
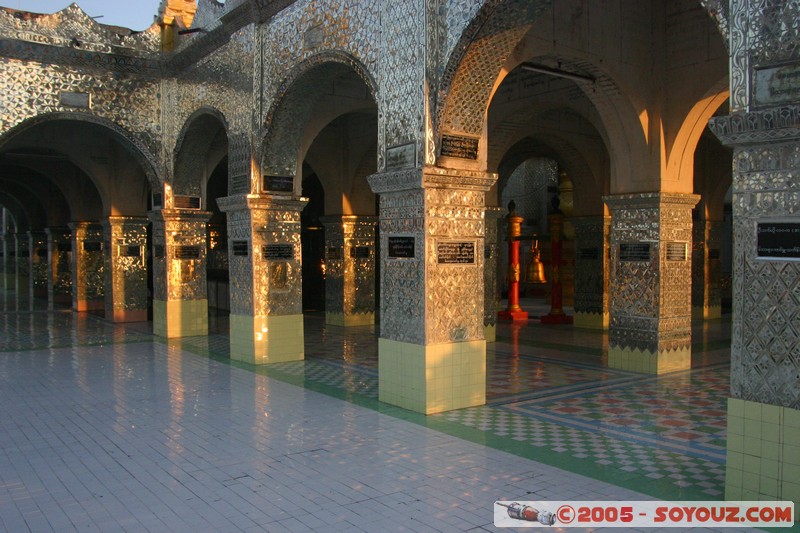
{"x": 37, "y": 245}
{"x": 650, "y": 298}
{"x": 266, "y": 321}
{"x": 763, "y": 444}
{"x": 592, "y": 234}
{"x": 491, "y": 292}
{"x": 22, "y": 245}
{"x": 59, "y": 267}
{"x": 432, "y": 351}
{"x": 707, "y": 269}
{"x": 126, "y": 268}
{"x": 350, "y": 270}
{"x": 180, "y": 300}
{"x": 87, "y": 266}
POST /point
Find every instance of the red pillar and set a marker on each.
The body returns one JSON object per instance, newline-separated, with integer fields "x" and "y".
{"x": 514, "y": 311}
{"x": 556, "y": 315}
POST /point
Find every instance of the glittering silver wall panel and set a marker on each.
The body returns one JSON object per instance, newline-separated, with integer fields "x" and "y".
{"x": 426, "y": 299}
{"x": 179, "y": 254}
{"x": 301, "y": 38}
{"x": 475, "y": 63}
{"x": 221, "y": 82}
{"x": 591, "y": 264}
{"x": 267, "y": 279}
{"x": 456, "y": 310}
{"x": 350, "y": 264}
{"x": 402, "y": 214}
{"x": 491, "y": 294}
{"x": 763, "y": 33}
{"x": 650, "y": 302}
{"x": 125, "y": 243}
{"x": 87, "y": 263}
{"x": 48, "y": 61}
{"x": 240, "y": 273}
{"x": 282, "y": 278}
{"x": 765, "y": 344}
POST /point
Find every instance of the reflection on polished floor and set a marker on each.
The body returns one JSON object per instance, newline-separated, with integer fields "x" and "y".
{"x": 105, "y": 428}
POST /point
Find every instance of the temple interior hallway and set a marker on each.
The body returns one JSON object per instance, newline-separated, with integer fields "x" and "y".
{"x": 105, "y": 427}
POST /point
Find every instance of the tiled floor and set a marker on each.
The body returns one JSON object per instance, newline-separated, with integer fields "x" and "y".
{"x": 104, "y": 428}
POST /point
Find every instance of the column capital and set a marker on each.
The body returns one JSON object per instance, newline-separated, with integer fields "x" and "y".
{"x": 757, "y": 127}
{"x": 650, "y": 200}
{"x": 431, "y": 177}
{"x": 241, "y": 202}
{"x": 190, "y": 215}
{"x": 341, "y": 220}
{"x": 84, "y": 225}
{"x": 117, "y": 220}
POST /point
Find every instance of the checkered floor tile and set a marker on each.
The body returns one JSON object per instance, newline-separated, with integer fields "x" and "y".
{"x": 550, "y": 396}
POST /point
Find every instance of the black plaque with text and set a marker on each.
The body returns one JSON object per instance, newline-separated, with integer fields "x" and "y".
{"x": 778, "y": 240}
{"x": 455, "y": 253}
{"x": 634, "y": 251}
{"x": 589, "y": 254}
{"x": 186, "y": 202}
{"x": 359, "y": 252}
{"x": 461, "y": 147}
{"x": 278, "y": 252}
{"x": 92, "y": 246}
{"x": 676, "y": 251}
{"x": 186, "y": 252}
{"x": 240, "y": 248}
{"x": 158, "y": 251}
{"x": 333, "y": 253}
{"x": 130, "y": 250}
{"x": 279, "y": 183}
{"x": 401, "y": 247}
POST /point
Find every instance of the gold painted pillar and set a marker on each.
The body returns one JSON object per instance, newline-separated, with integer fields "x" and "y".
{"x": 126, "y": 268}
{"x": 22, "y": 266}
{"x": 592, "y": 235}
{"x": 650, "y": 296}
{"x": 266, "y": 321}
{"x": 180, "y": 301}
{"x": 350, "y": 270}
{"x": 432, "y": 351}
{"x": 87, "y": 266}
{"x": 37, "y": 266}
{"x": 59, "y": 267}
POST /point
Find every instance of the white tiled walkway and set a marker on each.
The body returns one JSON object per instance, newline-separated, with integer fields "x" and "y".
{"x": 145, "y": 437}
